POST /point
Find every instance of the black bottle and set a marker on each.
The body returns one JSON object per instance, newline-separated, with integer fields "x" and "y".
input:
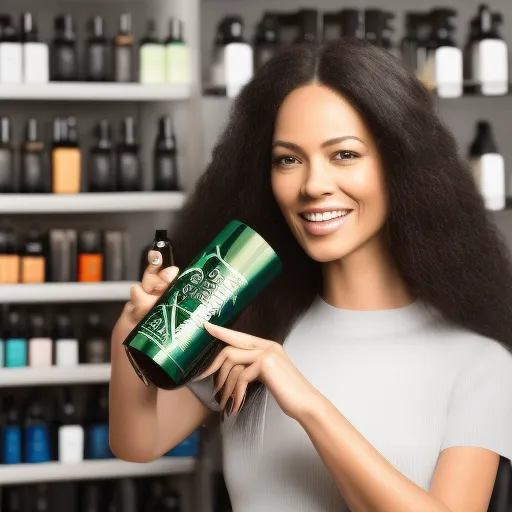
{"x": 267, "y": 41}
{"x": 307, "y": 20}
{"x": 129, "y": 177}
{"x": 12, "y": 499}
{"x": 96, "y": 438}
{"x": 35, "y": 175}
{"x": 96, "y": 347}
{"x": 101, "y": 175}
{"x": 8, "y": 179}
{"x": 163, "y": 500}
{"x": 123, "y": 50}
{"x": 162, "y": 244}
{"x": 165, "y": 165}
{"x": 410, "y": 42}
{"x": 64, "y": 59}
{"x": 97, "y": 51}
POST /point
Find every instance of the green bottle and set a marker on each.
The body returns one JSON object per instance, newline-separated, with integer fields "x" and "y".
{"x": 169, "y": 344}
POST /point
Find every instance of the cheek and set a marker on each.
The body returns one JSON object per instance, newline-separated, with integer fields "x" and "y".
{"x": 370, "y": 190}
{"x": 284, "y": 191}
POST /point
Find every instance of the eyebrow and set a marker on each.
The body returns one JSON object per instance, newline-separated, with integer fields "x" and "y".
{"x": 327, "y": 143}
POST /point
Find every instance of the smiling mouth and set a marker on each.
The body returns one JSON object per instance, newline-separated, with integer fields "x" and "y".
{"x": 325, "y": 216}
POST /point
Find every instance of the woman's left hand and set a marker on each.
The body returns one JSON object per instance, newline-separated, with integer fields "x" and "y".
{"x": 248, "y": 358}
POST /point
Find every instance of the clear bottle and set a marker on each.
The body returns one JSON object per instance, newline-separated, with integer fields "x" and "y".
{"x": 97, "y": 51}
{"x": 123, "y": 50}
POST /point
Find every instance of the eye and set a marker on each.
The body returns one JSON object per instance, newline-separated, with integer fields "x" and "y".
{"x": 284, "y": 160}
{"x": 346, "y": 155}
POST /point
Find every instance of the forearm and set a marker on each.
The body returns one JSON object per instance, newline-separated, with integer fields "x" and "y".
{"x": 133, "y": 405}
{"x": 366, "y": 480}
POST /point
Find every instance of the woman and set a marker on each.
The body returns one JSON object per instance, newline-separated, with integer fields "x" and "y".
{"x": 382, "y": 349}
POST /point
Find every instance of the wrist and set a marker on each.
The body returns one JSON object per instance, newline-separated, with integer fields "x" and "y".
{"x": 313, "y": 407}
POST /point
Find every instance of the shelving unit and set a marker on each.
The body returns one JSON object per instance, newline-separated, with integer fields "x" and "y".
{"x": 93, "y": 470}
{"x": 91, "y": 203}
{"x": 64, "y": 292}
{"x": 55, "y": 375}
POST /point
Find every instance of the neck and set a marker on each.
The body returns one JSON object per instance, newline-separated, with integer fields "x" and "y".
{"x": 366, "y": 279}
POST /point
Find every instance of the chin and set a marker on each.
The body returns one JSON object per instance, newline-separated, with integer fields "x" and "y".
{"x": 325, "y": 252}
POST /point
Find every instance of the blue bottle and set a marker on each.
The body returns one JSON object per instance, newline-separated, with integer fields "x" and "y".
{"x": 189, "y": 447}
{"x": 97, "y": 443}
{"x": 15, "y": 342}
{"x": 37, "y": 434}
{"x": 11, "y": 434}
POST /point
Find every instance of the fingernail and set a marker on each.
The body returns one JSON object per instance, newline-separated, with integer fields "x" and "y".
{"x": 243, "y": 402}
{"x": 172, "y": 272}
{"x": 155, "y": 261}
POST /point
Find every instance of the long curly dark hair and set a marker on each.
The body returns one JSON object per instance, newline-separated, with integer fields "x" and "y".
{"x": 447, "y": 249}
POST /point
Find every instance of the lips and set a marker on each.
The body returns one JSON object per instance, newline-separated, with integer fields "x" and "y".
{"x": 322, "y": 216}
{"x": 326, "y": 222}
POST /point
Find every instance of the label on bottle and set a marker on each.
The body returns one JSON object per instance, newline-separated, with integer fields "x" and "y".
{"x": 71, "y": 444}
{"x": 490, "y": 66}
{"x": 66, "y": 63}
{"x": 152, "y": 63}
{"x": 90, "y": 268}
{"x": 66, "y": 164}
{"x": 37, "y": 444}
{"x": 129, "y": 172}
{"x": 11, "y": 442}
{"x": 97, "y": 62}
{"x": 11, "y": 63}
{"x": 123, "y": 64}
{"x": 207, "y": 289}
{"x": 178, "y": 64}
{"x": 7, "y": 179}
{"x": 15, "y": 353}
{"x": 33, "y": 178}
{"x": 448, "y": 72}
{"x": 97, "y": 442}
{"x": 36, "y": 63}
{"x": 489, "y": 175}
{"x": 101, "y": 174}
{"x": 66, "y": 352}
{"x": 166, "y": 176}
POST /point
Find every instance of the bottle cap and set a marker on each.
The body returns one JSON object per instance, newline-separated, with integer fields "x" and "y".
{"x": 90, "y": 242}
{"x": 161, "y": 234}
{"x": 129, "y": 131}
{"x": 97, "y": 26}
{"x": 64, "y": 327}
{"x": 125, "y": 23}
{"x": 175, "y": 30}
{"x": 8, "y": 241}
{"x": 267, "y": 30}
{"x": 5, "y": 130}
{"x": 72, "y": 129}
{"x": 32, "y": 133}
{"x": 351, "y": 23}
{"x": 308, "y": 25}
{"x": 37, "y": 326}
{"x": 103, "y": 132}
{"x": 14, "y": 325}
{"x": 64, "y": 26}
{"x": 484, "y": 142}
{"x": 28, "y": 24}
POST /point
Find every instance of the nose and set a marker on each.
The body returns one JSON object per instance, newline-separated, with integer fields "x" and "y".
{"x": 318, "y": 181}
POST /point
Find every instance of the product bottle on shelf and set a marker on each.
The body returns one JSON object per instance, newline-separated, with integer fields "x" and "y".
{"x": 8, "y": 178}
{"x": 64, "y": 58}
{"x": 37, "y": 433}
{"x": 129, "y": 169}
{"x": 123, "y": 50}
{"x": 11, "y": 53}
{"x": 488, "y": 167}
{"x": 97, "y": 51}
{"x": 70, "y": 430}
{"x": 489, "y": 54}
{"x": 96, "y": 345}
{"x": 66, "y": 343}
{"x": 9, "y": 257}
{"x": 307, "y": 22}
{"x": 410, "y": 42}
{"x": 151, "y": 57}
{"x": 116, "y": 249}
{"x": 40, "y": 345}
{"x": 66, "y": 157}
{"x": 63, "y": 255}
{"x": 177, "y": 55}
{"x": 12, "y": 499}
{"x": 38, "y": 498}
{"x": 90, "y": 257}
{"x": 163, "y": 499}
{"x": 101, "y": 175}
{"x": 11, "y": 432}
{"x": 36, "y": 54}
{"x": 33, "y": 258}
{"x": 15, "y": 341}
{"x": 97, "y": 444}
{"x": 165, "y": 165}
{"x": 267, "y": 40}
{"x": 35, "y": 178}
{"x": 443, "y": 70}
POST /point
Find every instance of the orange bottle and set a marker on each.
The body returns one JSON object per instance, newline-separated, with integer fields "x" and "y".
{"x": 90, "y": 257}
{"x": 66, "y": 157}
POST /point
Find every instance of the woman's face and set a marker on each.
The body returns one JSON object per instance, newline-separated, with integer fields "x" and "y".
{"x": 327, "y": 176}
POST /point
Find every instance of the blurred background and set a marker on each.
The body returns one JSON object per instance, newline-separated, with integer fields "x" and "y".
{"x": 108, "y": 114}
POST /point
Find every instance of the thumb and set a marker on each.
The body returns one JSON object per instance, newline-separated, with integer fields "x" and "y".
{"x": 168, "y": 274}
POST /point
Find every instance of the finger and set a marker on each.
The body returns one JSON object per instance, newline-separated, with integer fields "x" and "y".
{"x": 250, "y": 374}
{"x": 155, "y": 261}
{"x": 168, "y": 275}
{"x": 231, "y": 381}
{"x": 223, "y": 374}
{"x": 235, "y": 355}
{"x": 140, "y": 299}
{"x": 151, "y": 282}
{"x": 235, "y": 338}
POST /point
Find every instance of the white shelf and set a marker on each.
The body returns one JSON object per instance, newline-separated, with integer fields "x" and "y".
{"x": 13, "y": 474}
{"x": 91, "y": 202}
{"x": 90, "y": 91}
{"x": 55, "y": 375}
{"x": 65, "y": 292}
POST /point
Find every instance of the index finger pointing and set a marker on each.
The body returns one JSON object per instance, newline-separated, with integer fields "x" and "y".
{"x": 235, "y": 338}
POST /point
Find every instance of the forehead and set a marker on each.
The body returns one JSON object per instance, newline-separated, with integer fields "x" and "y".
{"x": 316, "y": 112}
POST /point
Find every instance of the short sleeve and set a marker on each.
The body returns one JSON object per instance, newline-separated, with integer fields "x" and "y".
{"x": 480, "y": 406}
{"x": 203, "y": 389}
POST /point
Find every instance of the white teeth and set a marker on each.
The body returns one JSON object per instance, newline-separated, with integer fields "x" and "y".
{"x": 321, "y": 217}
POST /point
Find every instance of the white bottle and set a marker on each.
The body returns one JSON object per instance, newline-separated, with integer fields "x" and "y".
{"x": 490, "y": 55}
{"x": 40, "y": 347}
{"x": 488, "y": 167}
{"x": 66, "y": 345}
{"x": 36, "y": 60}
{"x": 151, "y": 57}
{"x": 177, "y": 56}
{"x": 70, "y": 433}
{"x": 11, "y": 54}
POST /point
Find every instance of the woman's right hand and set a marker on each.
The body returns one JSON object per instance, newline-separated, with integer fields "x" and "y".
{"x": 143, "y": 295}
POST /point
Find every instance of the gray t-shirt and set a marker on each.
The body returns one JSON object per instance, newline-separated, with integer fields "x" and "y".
{"x": 410, "y": 383}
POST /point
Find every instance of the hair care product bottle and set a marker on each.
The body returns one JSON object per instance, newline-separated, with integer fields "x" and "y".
{"x": 36, "y": 54}
{"x": 96, "y": 344}
{"x": 267, "y": 40}
{"x": 63, "y": 256}
{"x": 9, "y": 257}
{"x": 90, "y": 257}
{"x": 66, "y": 342}
{"x": 490, "y": 54}
{"x": 11, "y": 433}
{"x": 33, "y": 258}
{"x": 40, "y": 345}
{"x": 11, "y": 52}
{"x": 70, "y": 431}
{"x": 64, "y": 58}
{"x": 97, "y": 443}
{"x": 97, "y": 51}
{"x": 66, "y": 157}
{"x": 234, "y": 61}
{"x": 151, "y": 57}
{"x": 37, "y": 433}
{"x": 165, "y": 164}
{"x": 410, "y": 42}
{"x": 123, "y": 50}
{"x": 177, "y": 55}
{"x": 8, "y": 178}
{"x": 15, "y": 342}
{"x": 128, "y": 161}
{"x": 35, "y": 176}
{"x": 488, "y": 167}
{"x": 116, "y": 250}
{"x": 101, "y": 175}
